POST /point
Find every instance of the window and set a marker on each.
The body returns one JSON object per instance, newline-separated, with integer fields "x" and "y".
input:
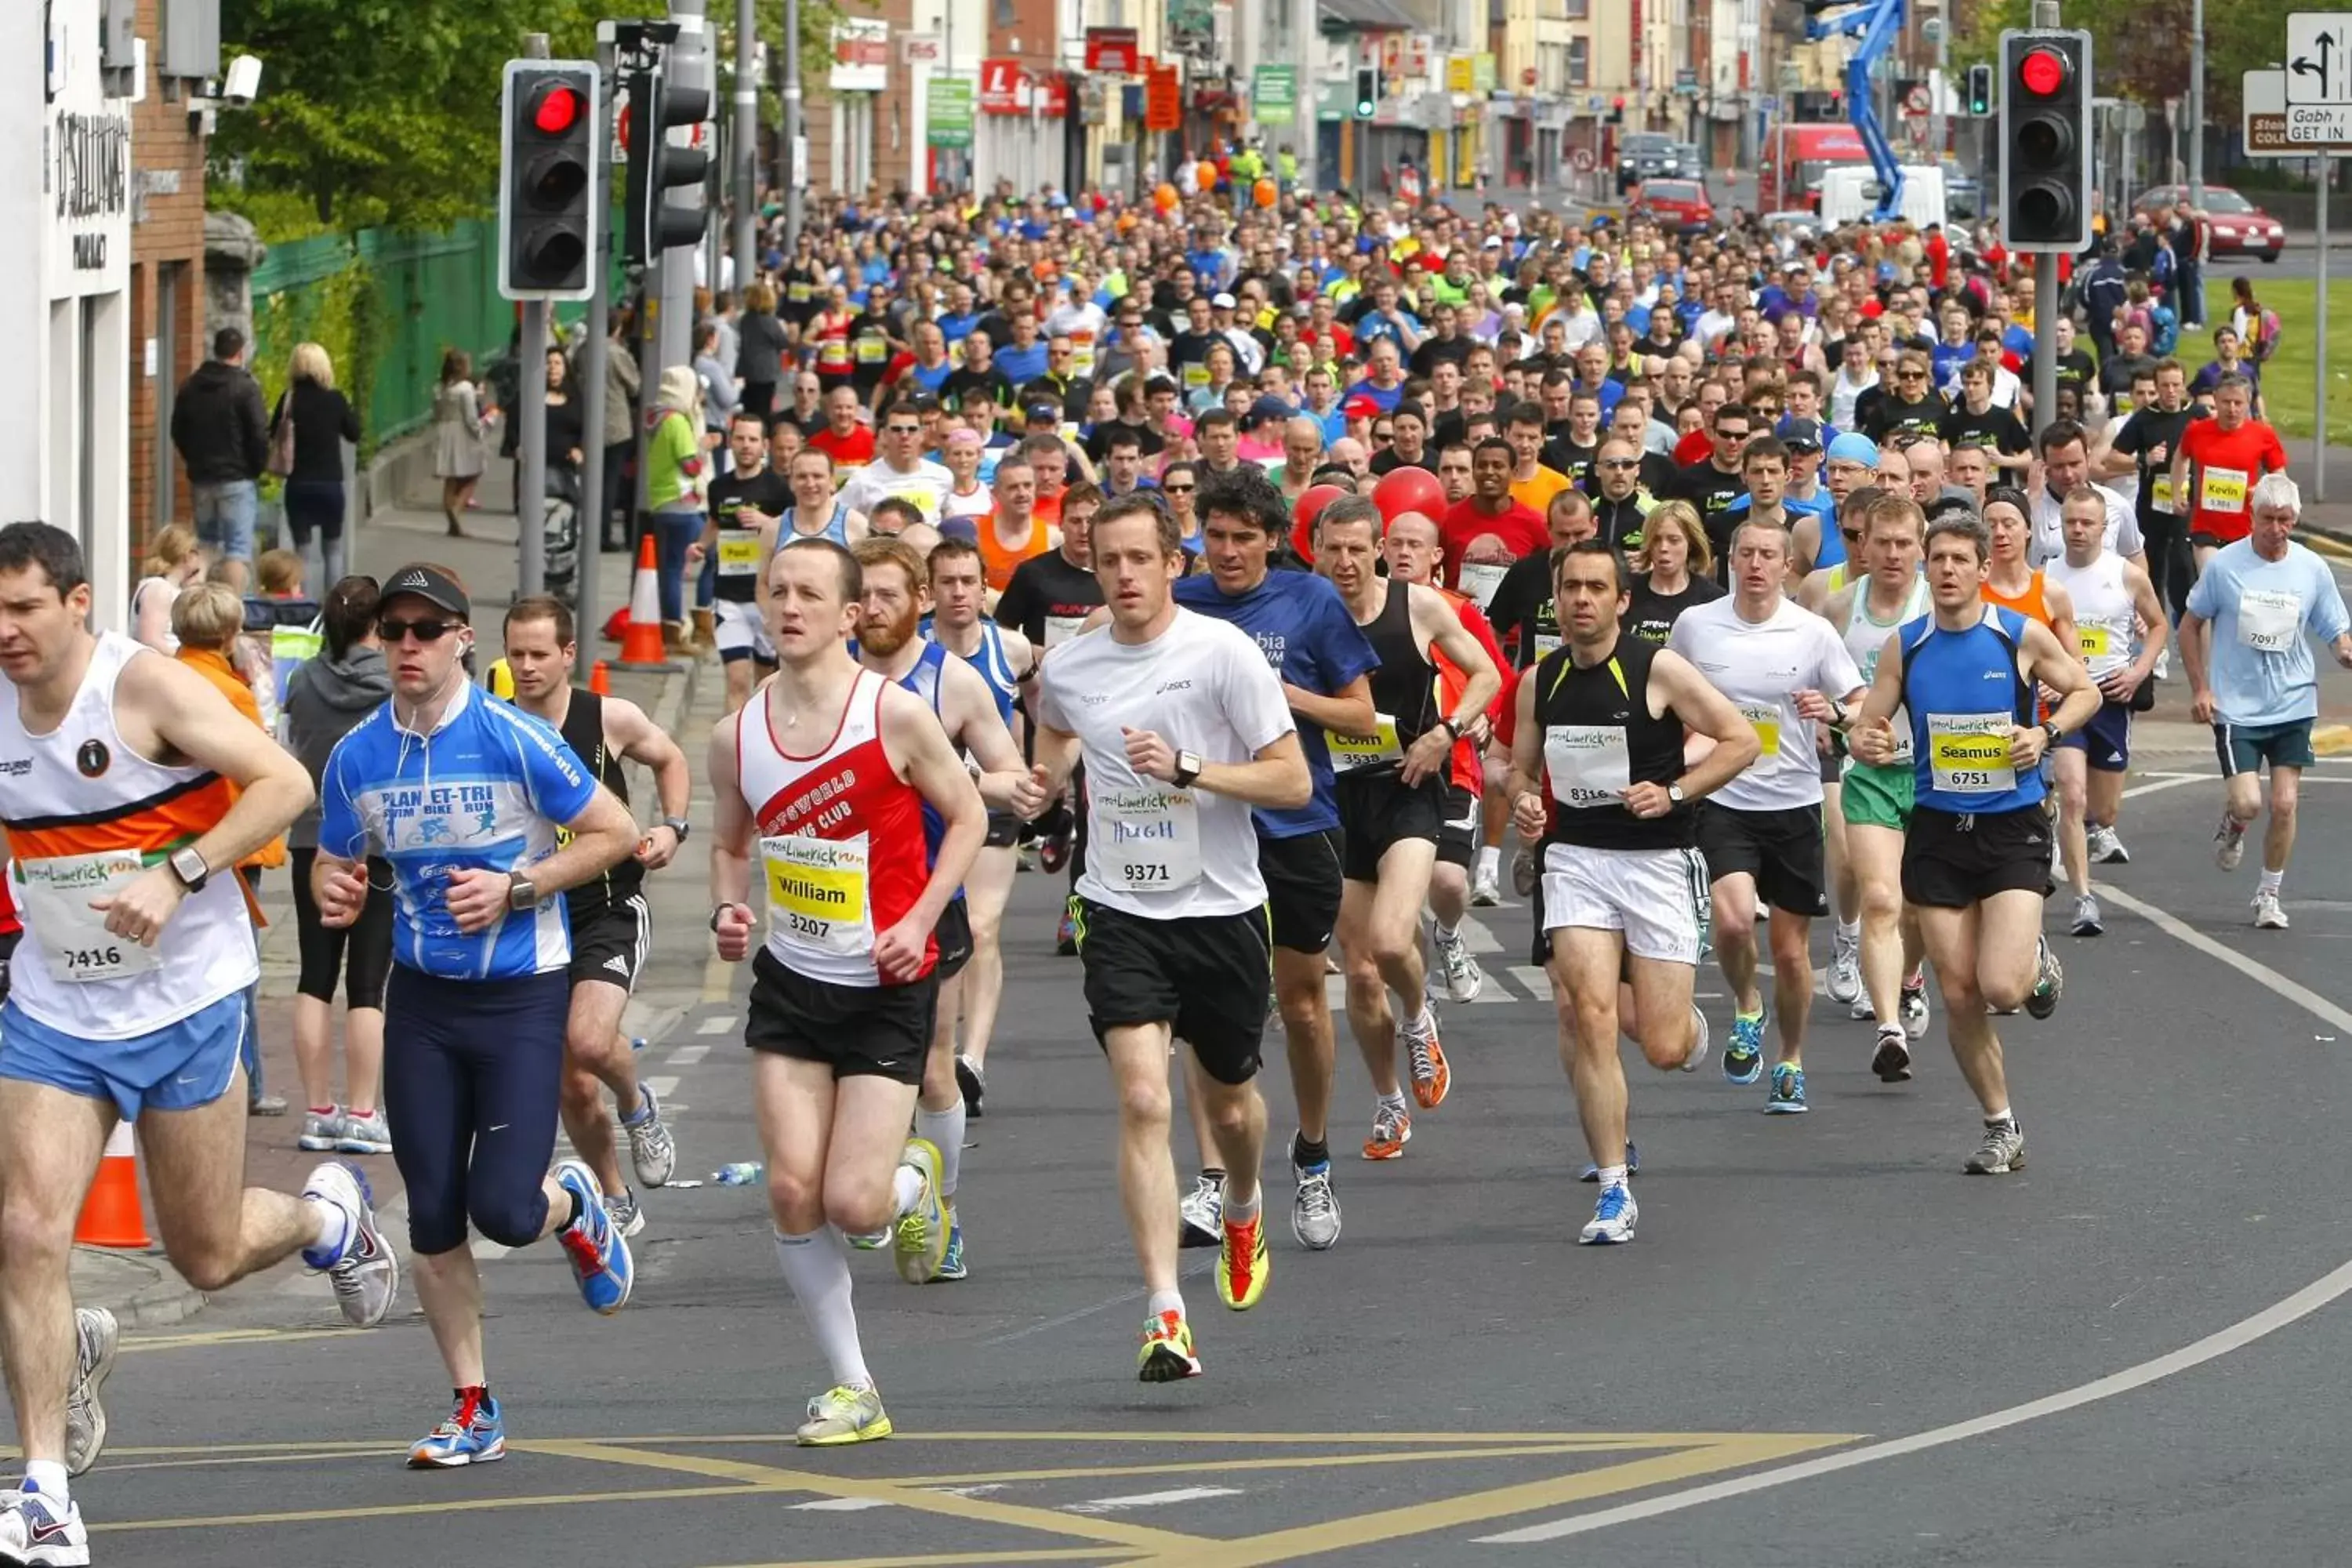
{"x": 1577, "y": 10}
{"x": 1579, "y": 62}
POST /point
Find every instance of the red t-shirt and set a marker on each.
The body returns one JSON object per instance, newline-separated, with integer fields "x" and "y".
{"x": 1469, "y": 772}
{"x": 1521, "y": 529}
{"x": 854, "y": 450}
{"x": 2227, "y": 466}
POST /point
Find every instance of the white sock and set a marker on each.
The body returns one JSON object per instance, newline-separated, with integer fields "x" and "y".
{"x": 48, "y": 1477}
{"x": 2270, "y": 880}
{"x": 1490, "y": 860}
{"x": 817, "y": 1270}
{"x": 945, "y": 1130}
{"x": 1237, "y": 1212}
{"x": 1611, "y": 1176}
{"x": 1445, "y": 933}
{"x": 334, "y": 1230}
{"x": 1850, "y": 932}
{"x": 1166, "y": 1301}
{"x": 1392, "y": 1101}
{"x": 906, "y": 1190}
{"x": 1996, "y": 1118}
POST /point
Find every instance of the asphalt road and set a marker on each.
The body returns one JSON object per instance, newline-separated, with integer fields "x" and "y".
{"x": 1456, "y": 1369}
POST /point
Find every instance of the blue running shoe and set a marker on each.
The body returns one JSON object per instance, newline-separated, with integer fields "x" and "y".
{"x": 1743, "y": 1054}
{"x": 1632, "y": 1164}
{"x": 952, "y": 1265}
{"x": 1612, "y": 1218}
{"x": 475, "y": 1434}
{"x": 1788, "y": 1094}
{"x": 598, "y": 1252}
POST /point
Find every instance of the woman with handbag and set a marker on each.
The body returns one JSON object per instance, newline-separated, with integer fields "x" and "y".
{"x": 306, "y": 449}
{"x": 456, "y": 436}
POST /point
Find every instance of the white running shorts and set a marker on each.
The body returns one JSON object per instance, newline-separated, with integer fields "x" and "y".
{"x": 1655, "y": 896}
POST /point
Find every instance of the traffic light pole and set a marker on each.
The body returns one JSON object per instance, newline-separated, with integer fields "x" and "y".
{"x": 794, "y": 128}
{"x": 747, "y": 146}
{"x": 530, "y": 435}
{"x": 2045, "y": 339}
{"x": 594, "y": 357}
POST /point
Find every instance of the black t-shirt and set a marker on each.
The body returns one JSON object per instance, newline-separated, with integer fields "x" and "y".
{"x": 2077, "y": 369}
{"x": 2148, "y": 430}
{"x": 1388, "y": 462}
{"x": 1997, "y": 427}
{"x": 869, "y": 351}
{"x": 766, "y": 490}
{"x": 1147, "y": 440}
{"x": 1047, "y": 587}
{"x": 1434, "y": 350}
{"x": 1712, "y": 491}
{"x": 1888, "y": 416}
{"x": 1651, "y": 615}
{"x": 1563, "y": 455}
{"x": 1192, "y": 348}
{"x": 2116, "y": 376}
{"x": 1521, "y": 611}
{"x": 961, "y": 384}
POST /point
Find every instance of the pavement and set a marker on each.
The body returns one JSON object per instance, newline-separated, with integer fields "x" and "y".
{"x": 1827, "y": 1347}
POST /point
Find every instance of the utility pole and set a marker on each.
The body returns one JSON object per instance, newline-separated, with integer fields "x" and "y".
{"x": 530, "y": 435}
{"x": 2197, "y": 112}
{"x": 589, "y": 523}
{"x": 2045, "y": 282}
{"x": 793, "y": 127}
{"x": 747, "y": 144}
{"x": 690, "y": 68}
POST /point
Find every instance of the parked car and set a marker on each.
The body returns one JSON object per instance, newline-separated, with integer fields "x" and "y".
{"x": 1963, "y": 196}
{"x": 1680, "y": 206}
{"x": 2239, "y": 227}
{"x": 1641, "y": 154}
{"x": 1687, "y": 162}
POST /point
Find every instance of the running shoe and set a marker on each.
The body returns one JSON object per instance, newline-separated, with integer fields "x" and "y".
{"x": 1786, "y": 1095}
{"x": 1463, "y": 978}
{"x": 1431, "y": 1077}
{"x": 1592, "y": 1172}
{"x": 652, "y": 1148}
{"x": 1314, "y": 1209}
{"x": 850, "y": 1414}
{"x": 475, "y": 1434}
{"x": 1914, "y": 1007}
{"x": 2049, "y": 986}
{"x": 35, "y": 1530}
{"x": 952, "y": 1265}
{"x": 1201, "y": 1211}
{"x": 366, "y": 1272}
{"x": 1845, "y": 967}
{"x": 1612, "y": 1218}
{"x": 2230, "y": 844}
{"x": 1892, "y": 1060}
{"x": 357, "y": 1134}
{"x": 1243, "y": 1264}
{"x": 972, "y": 1085}
{"x": 1701, "y": 1040}
{"x": 1863, "y": 1009}
{"x": 321, "y": 1128}
{"x": 1167, "y": 1355}
{"x": 1392, "y": 1130}
{"x": 95, "y": 1336}
{"x": 1065, "y": 934}
{"x": 2003, "y": 1150}
{"x": 1485, "y": 889}
{"x": 628, "y": 1217}
{"x": 1526, "y": 870}
{"x": 599, "y": 1253}
{"x": 922, "y": 1231}
{"x": 2086, "y": 916}
{"x": 2106, "y": 849}
{"x": 1743, "y": 1054}
{"x": 2268, "y": 916}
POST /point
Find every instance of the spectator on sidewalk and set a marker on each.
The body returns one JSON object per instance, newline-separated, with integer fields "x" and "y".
{"x": 622, "y": 385}
{"x": 457, "y": 436}
{"x": 323, "y": 421}
{"x": 175, "y": 563}
{"x": 760, "y": 358}
{"x": 220, "y": 429}
{"x": 678, "y": 482}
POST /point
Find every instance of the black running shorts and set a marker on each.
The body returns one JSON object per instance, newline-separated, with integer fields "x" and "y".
{"x": 1205, "y": 976}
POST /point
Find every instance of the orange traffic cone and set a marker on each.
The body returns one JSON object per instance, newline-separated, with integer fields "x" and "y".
{"x": 600, "y": 678}
{"x": 641, "y": 642}
{"x": 110, "y": 1214}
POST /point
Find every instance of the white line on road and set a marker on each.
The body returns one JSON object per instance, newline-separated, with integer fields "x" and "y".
{"x": 663, "y": 1088}
{"x": 2263, "y": 974}
{"x": 718, "y": 1026}
{"x": 840, "y": 1505}
{"x": 1151, "y": 1500}
{"x": 1476, "y": 937}
{"x": 2170, "y": 781}
{"x": 687, "y": 1056}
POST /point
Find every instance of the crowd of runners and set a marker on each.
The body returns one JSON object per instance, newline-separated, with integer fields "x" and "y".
{"x": 1287, "y": 578}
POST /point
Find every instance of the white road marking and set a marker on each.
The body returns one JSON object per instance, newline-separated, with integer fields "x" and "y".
{"x": 687, "y": 1056}
{"x": 663, "y": 1088}
{"x": 718, "y": 1026}
{"x": 1151, "y": 1500}
{"x": 1476, "y": 937}
{"x": 1538, "y": 983}
{"x": 2170, "y": 781}
{"x": 840, "y": 1505}
{"x": 2212, "y": 1347}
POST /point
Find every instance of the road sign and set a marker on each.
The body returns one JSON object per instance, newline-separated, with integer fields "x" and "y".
{"x": 2263, "y": 97}
{"x": 1274, "y": 94}
{"x": 2318, "y": 59}
{"x": 1580, "y": 160}
{"x": 2309, "y": 125}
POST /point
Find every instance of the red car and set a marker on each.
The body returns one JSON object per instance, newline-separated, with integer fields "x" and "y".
{"x": 2239, "y": 227}
{"x": 1678, "y": 205}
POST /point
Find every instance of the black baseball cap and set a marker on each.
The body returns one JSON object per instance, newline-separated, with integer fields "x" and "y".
{"x": 432, "y": 584}
{"x": 1045, "y": 413}
{"x": 1802, "y": 435}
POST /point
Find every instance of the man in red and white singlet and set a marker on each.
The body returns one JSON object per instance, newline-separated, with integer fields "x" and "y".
{"x": 825, "y": 775}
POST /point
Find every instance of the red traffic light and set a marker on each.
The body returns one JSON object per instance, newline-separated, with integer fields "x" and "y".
{"x": 2043, "y": 71}
{"x": 558, "y": 110}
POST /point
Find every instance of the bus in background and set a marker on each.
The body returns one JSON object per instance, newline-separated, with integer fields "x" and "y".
{"x": 1796, "y": 152}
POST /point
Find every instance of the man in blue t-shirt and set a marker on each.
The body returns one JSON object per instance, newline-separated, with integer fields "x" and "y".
{"x": 1325, "y": 661}
{"x": 485, "y": 815}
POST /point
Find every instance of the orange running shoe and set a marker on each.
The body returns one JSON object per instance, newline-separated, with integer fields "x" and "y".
{"x": 1167, "y": 1350}
{"x": 1431, "y": 1077}
{"x": 1243, "y": 1264}
{"x": 1392, "y": 1130}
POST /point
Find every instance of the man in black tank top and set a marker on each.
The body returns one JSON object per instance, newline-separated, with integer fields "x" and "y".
{"x": 1597, "y": 772}
{"x": 611, "y": 926}
{"x": 1390, "y": 791}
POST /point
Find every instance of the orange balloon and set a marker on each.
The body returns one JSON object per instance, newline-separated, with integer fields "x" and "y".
{"x": 1165, "y": 198}
{"x": 1208, "y": 175}
{"x": 1265, "y": 193}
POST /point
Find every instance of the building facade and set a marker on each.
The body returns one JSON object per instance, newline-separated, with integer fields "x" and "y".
{"x": 168, "y": 136}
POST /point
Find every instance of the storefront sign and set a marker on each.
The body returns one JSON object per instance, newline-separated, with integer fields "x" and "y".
{"x": 1112, "y": 51}
{"x": 861, "y": 55}
{"x": 1163, "y": 99}
{"x": 1274, "y": 94}
{"x": 949, "y": 112}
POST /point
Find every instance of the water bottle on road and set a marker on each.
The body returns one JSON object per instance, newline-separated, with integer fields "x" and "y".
{"x": 741, "y": 1174}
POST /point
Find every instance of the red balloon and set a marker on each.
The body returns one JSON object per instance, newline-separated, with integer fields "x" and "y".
{"x": 1307, "y": 508}
{"x": 1402, "y": 490}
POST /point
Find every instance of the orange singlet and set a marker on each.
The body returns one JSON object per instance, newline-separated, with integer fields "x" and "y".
{"x": 998, "y": 559}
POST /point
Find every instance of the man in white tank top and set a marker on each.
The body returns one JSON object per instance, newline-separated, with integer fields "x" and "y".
{"x": 131, "y": 790}
{"x": 2112, "y": 597}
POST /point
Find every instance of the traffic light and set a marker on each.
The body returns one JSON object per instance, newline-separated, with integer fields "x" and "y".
{"x": 2045, "y": 129}
{"x": 548, "y": 180}
{"x": 651, "y": 225}
{"x": 1367, "y": 92}
{"x": 1980, "y": 91}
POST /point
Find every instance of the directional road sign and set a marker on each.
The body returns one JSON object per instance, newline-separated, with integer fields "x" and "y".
{"x": 2318, "y": 60}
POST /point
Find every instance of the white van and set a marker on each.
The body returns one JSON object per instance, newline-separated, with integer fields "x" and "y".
{"x": 1850, "y": 194}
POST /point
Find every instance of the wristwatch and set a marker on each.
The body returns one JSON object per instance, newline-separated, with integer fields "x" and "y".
{"x": 718, "y": 910}
{"x": 678, "y": 825}
{"x": 1675, "y": 794}
{"x": 1188, "y": 768}
{"x": 2050, "y": 728}
{"x": 522, "y": 893}
{"x": 188, "y": 864}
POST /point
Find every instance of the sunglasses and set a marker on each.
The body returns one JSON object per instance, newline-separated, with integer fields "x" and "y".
{"x": 902, "y": 430}
{"x": 396, "y": 632}
{"x": 1180, "y": 489}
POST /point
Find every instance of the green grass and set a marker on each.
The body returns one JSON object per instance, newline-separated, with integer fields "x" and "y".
{"x": 2289, "y": 384}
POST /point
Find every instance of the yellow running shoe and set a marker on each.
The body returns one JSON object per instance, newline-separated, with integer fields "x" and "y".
{"x": 844, "y": 1415}
{"x": 1243, "y": 1265}
{"x": 922, "y": 1231}
{"x": 1167, "y": 1355}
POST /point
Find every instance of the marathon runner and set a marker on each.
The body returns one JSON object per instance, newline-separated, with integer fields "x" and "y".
{"x": 2215, "y": 464}
{"x": 825, "y": 777}
{"x": 465, "y": 796}
{"x": 748, "y": 504}
{"x": 1183, "y": 729}
{"x": 612, "y": 927}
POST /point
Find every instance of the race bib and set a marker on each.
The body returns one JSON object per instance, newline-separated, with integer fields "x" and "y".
{"x": 2093, "y": 640}
{"x": 1060, "y": 629}
{"x": 1479, "y": 579}
{"x": 1145, "y": 840}
{"x": 738, "y": 556}
{"x": 2225, "y": 489}
{"x": 2159, "y": 494}
{"x": 2269, "y": 622}
{"x": 873, "y": 351}
{"x": 1196, "y": 375}
{"x": 1547, "y": 644}
{"x": 1590, "y": 765}
{"x": 1351, "y": 752}
{"x": 797, "y": 293}
{"x": 817, "y": 894}
{"x": 923, "y": 498}
{"x": 1968, "y": 753}
{"x": 833, "y": 353}
{"x": 58, "y": 893}
{"x": 1764, "y": 718}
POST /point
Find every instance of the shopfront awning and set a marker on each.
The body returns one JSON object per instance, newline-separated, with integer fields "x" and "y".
{"x": 1367, "y": 16}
